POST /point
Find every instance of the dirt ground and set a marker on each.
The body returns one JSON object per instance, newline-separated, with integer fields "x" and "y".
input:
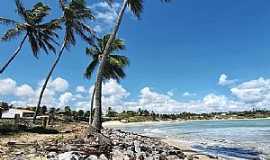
{"x": 27, "y": 140}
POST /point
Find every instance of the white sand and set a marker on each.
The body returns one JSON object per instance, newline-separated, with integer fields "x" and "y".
{"x": 111, "y": 124}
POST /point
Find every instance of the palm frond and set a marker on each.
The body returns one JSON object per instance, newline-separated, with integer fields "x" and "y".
{"x": 37, "y": 14}
{"x": 91, "y": 68}
{"x": 11, "y": 34}
{"x": 75, "y": 13}
{"x": 113, "y": 72}
{"x": 7, "y": 21}
{"x": 21, "y": 10}
{"x": 93, "y": 51}
{"x": 136, "y": 6}
{"x": 120, "y": 61}
{"x": 33, "y": 43}
{"x": 116, "y": 45}
{"x": 80, "y": 31}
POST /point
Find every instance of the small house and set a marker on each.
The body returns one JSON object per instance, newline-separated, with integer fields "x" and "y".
{"x": 12, "y": 112}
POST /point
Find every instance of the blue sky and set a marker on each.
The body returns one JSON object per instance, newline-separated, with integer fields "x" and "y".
{"x": 177, "y": 48}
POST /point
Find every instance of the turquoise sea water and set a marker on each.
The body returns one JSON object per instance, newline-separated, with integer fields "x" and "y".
{"x": 229, "y": 139}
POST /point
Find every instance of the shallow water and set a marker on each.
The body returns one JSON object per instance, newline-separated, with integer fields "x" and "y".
{"x": 229, "y": 139}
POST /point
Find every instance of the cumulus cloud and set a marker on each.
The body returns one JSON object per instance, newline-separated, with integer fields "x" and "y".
{"x": 253, "y": 91}
{"x": 24, "y": 91}
{"x": 7, "y": 86}
{"x": 105, "y": 15}
{"x": 170, "y": 93}
{"x": 243, "y": 96}
{"x": 188, "y": 94}
{"x": 26, "y": 95}
{"x": 65, "y": 99}
{"x": 80, "y": 89}
{"x": 59, "y": 84}
{"x": 224, "y": 81}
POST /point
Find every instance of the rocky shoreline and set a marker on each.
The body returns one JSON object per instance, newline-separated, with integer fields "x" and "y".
{"x": 126, "y": 146}
{"x": 111, "y": 144}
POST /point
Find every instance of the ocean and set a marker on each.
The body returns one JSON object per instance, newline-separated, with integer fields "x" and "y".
{"x": 228, "y": 139}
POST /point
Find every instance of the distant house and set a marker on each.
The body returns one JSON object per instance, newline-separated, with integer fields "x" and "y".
{"x": 12, "y": 112}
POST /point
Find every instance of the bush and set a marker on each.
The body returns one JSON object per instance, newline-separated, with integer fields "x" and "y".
{"x": 42, "y": 130}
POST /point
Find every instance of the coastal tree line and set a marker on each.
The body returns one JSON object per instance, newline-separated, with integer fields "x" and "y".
{"x": 68, "y": 113}
{"x": 43, "y": 36}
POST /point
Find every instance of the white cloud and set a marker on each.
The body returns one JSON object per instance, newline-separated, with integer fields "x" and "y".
{"x": 242, "y": 97}
{"x": 224, "y": 81}
{"x": 7, "y": 86}
{"x": 253, "y": 91}
{"x": 24, "y": 91}
{"x": 170, "y": 93}
{"x": 59, "y": 85}
{"x": 25, "y": 94}
{"x": 65, "y": 99}
{"x": 105, "y": 15}
{"x": 80, "y": 89}
{"x": 188, "y": 94}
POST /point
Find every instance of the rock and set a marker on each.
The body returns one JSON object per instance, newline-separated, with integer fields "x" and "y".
{"x": 103, "y": 157}
{"x": 69, "y": 156}
{"x": 18, "y": 153}
{"x": 68, "y": 147}
{"x": 117, "y": 154}
{"x": 92, "y": 157}
{"x": 52, "y": 156}
{"x": 173, "y": 157}
{"x": 156, "y": 157}
{"x": 140, "y": 156}
{"x": 137, "y": 146}
{"x": 162, "y": 157}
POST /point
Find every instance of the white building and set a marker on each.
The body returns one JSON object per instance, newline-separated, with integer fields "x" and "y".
{"x": 12, "y": 112}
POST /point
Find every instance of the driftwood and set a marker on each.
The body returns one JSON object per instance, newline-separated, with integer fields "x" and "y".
{"x": 13, "y": 143}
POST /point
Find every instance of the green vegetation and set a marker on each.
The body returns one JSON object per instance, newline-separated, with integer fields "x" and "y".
{"x": 145, "y": 115}
{"x": 40, "y": 35}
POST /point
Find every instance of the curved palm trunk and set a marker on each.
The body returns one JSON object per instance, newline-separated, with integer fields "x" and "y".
{"x": 47, "y": 80}
{"x": 98, "y": 108}
{"x": 97, "y": 121}
{"x": 92, "y": 106}
{"x": 14, "y": 55}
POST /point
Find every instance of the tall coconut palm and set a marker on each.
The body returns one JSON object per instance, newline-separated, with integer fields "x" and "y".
{"x": 40, "y": 35}
{"x": 75, "y": 14}
{"x": 113, "y": 68}
{"x": 136, "y": 6}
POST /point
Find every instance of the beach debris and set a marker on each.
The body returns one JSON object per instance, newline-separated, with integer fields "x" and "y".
{"x": 111, "y": 144}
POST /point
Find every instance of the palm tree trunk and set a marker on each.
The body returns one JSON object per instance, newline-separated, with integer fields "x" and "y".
{"x": 14, "y": 55}
{"x": 47, "y": 80}
{"x": 97, "y": 121}
{"x": 98, "y": 108}
{"x": 92, "y": 106}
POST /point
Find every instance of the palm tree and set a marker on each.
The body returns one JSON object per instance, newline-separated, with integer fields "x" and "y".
{"x": 136, "y": 6}
{"x": 40, "y": 35}
{"x": 75, "y": 14}
{"x": 113, "y": 68}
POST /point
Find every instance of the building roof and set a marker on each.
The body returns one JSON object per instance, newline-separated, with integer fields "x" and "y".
{"x": 25, "y": 111}
{"x": 20, "y": 110}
